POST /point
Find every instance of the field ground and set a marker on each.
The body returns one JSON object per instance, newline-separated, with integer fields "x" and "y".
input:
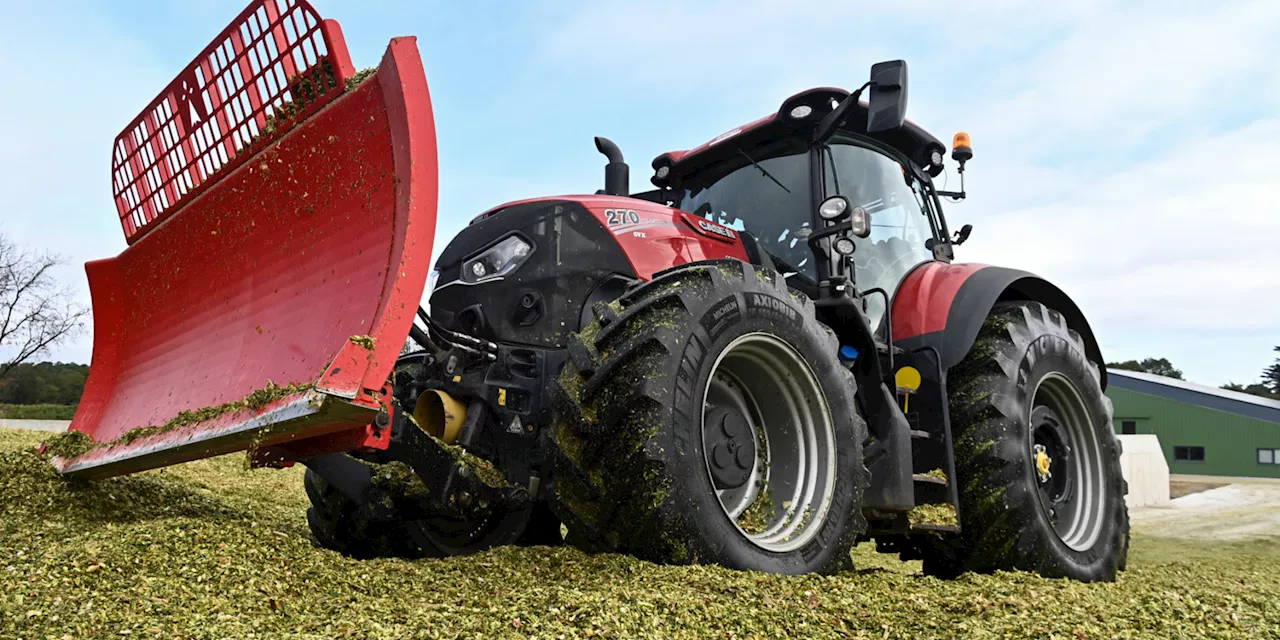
{"x": 213, "y": 550}
{"x": 1241, "y": 511}
{"x": 1180, "y": 488}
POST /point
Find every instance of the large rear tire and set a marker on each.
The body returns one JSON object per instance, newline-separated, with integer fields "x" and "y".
{"x": 705, "y": 417}
{"x": 1037, "y": 459}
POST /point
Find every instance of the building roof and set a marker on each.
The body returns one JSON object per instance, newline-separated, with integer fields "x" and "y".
{"x": 1243, "y": 404}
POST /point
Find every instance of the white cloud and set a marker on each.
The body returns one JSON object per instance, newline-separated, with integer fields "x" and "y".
{"x": 675, "y": 45}
{"x": 1185, "y": 242}
{"x": 1123, "y": 73}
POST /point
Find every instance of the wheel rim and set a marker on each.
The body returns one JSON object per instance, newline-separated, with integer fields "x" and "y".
{"x": 790, "y": 479}
{"x": 1066, "y": 461}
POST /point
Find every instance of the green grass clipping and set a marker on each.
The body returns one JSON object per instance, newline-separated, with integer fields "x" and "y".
{"x": 209, "y": 549}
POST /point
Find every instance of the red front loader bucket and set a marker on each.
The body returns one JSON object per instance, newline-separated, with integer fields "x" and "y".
{"x": 273, "y": 213}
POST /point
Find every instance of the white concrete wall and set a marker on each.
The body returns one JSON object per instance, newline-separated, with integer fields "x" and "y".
{"x": 1144, "y": 467}
{"x": 38, "y": 425}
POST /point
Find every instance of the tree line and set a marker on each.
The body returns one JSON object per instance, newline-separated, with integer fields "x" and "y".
{"x": 44, "y": 383}
{"x": 36, "y": 315}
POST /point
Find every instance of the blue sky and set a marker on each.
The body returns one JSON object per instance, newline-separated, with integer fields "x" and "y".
{"x": 1123, "y": 150}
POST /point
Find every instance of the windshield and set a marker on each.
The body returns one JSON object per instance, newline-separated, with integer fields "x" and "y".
{"x": 773, "y": 201}
{"x": 773, "y": 205}
{"x": 899, "y": 216}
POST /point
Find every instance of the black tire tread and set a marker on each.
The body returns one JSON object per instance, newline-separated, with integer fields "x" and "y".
{"x": 608, "y": 455}
{"x": 338, "y": 524}
{"x": 994, "y": 534}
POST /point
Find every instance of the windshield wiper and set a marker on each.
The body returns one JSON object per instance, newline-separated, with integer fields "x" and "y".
{"x": 763, "y": 170}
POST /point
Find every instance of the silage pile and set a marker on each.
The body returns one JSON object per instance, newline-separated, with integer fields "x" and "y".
{"x": 212, "y": 550}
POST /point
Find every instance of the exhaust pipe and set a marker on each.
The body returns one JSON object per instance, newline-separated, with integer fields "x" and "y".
{"x": 617, "y": 175}
{"x": 440, "y": 415}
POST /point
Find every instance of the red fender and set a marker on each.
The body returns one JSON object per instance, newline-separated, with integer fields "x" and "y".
{"x": 943, "y": 305}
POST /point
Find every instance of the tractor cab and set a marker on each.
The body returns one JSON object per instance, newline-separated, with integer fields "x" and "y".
{"x": 828, "y": 187}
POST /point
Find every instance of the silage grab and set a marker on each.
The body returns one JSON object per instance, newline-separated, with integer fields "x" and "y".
{"x": 272, "y": 213}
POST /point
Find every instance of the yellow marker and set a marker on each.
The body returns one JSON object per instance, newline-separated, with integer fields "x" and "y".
{"x": 457, "y": 378}
{"x": 907, "y": 380}
{"x": 502, "y": 397}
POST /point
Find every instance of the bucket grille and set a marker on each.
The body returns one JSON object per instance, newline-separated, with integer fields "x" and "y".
{"x": 275, "y": 64}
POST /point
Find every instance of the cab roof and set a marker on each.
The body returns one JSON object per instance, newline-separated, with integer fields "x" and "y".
{"x": 912, "y": 140}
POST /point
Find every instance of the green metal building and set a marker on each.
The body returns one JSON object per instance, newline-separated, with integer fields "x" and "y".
{"x": 1203, "y": 430}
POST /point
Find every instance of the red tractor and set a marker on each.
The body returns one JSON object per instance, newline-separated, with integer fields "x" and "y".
{"x": 765, "y": 359}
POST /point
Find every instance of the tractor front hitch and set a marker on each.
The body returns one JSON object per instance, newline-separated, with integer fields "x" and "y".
{"x": 453, "y": 488}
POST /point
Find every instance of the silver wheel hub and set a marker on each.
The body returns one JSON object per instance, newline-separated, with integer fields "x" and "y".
{"x": 769, "y": 442}
{"x": 1067, "y": 460}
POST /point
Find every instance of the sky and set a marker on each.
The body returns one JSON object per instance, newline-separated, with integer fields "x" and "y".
{"x": 1123, "y": 150}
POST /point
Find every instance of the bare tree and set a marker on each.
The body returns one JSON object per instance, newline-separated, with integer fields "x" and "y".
{"x": 35, "y": 313}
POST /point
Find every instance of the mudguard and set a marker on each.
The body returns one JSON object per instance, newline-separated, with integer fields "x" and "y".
{"x": 943, "y": 305}
{"x": 280, "y": 220}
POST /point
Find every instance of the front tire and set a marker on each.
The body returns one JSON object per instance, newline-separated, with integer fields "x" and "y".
{"x": 338, "y": 523}
{"x": 716, "y": 357}
{"x": 1036, "y": 455}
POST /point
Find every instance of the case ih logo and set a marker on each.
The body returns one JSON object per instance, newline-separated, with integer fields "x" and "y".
{"x": 711, "y": 227}
{"x": 724, "y": 136}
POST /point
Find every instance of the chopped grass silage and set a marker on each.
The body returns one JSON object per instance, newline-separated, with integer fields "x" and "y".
{"x": 71, "y": 444}
{"x": 211, "y": 550}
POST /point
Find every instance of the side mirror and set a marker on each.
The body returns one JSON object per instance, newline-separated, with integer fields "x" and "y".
{"x": 887, "y": 106}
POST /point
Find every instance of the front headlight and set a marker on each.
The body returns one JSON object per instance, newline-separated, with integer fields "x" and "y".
{"x": 497, "y": 261}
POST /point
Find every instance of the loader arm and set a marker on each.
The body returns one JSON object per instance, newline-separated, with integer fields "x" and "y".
{"x": 280, "y": 221}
